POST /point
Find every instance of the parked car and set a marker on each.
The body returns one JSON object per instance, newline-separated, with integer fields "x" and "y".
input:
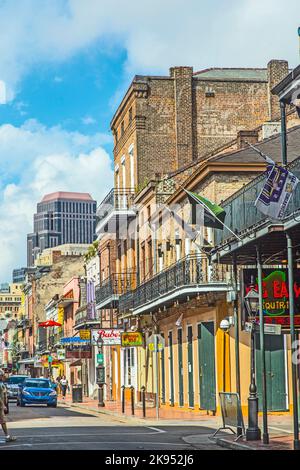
{"x": 12, "y": 385}
{"x": 37, "y": 391}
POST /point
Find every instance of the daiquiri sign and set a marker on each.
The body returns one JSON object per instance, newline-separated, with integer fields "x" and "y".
{"x": 275, "y": 295}
{"x": 109, "y": 336}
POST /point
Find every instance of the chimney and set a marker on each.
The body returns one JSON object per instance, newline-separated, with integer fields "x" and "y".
{"x": 277, "y": 71}
{"x": 246, "y": 136}
{"x": 183, "y": 95}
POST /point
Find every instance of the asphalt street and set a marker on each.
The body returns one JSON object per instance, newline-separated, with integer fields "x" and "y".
{"x": 63, "y": 428}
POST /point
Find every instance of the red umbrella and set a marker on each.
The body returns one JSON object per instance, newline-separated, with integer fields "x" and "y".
{"x": 48, "y": 323}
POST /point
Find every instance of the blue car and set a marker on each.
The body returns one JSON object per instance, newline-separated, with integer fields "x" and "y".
{"x": 36, "y": 392}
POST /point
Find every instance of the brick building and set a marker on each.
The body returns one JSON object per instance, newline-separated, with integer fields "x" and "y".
{"x": 165, "y": 123}
{"x": 188, "y": 129}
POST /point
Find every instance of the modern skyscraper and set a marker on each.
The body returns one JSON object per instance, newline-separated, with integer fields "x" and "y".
{"x": 61, "y": 218}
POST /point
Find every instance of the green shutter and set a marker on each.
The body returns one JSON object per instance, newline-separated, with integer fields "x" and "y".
{"x": 207, "y": 375}
{"x": 275, "y": 372}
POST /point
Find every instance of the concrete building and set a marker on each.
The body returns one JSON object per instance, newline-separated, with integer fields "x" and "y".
{"x": 61, "y": 218}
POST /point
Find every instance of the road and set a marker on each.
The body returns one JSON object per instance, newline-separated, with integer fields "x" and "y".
{"x": 64, "y": 428}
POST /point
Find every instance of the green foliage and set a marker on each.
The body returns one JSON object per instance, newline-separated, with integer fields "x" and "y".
{"x": 141, "y": 186}
{"x": 92, "y": 251}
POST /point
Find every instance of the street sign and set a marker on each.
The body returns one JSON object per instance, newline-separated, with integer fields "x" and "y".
{"x": 151, "y": 343}
{"x": 100, "y": 359}
{"x": 270, "y": 329}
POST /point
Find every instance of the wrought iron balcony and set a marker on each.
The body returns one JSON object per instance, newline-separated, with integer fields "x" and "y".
{"x": 116, "y": 207}
{"x": 85, "y": 317}
{"x": 187, "y": 277}
{"x": 241, "y": 213}
{"x": 108, "y": 293}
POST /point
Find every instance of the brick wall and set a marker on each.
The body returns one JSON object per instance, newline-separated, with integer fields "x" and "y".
{"x": 172, "y": 121}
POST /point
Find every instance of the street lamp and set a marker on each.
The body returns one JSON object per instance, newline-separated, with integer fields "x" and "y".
{"x": 253, "y": 433}
{"x": 100, "y": 374}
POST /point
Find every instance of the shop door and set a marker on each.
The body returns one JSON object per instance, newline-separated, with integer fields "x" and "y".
{"x": 171, "y": 369}
{"x": 180, "y": 369}
{"x": 207, "y": 375}
{"x": 190, "y": 367}
{"x": 275, "y": 372}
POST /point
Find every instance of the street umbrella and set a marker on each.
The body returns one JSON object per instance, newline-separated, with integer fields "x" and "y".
{"x": 48, "y": 323}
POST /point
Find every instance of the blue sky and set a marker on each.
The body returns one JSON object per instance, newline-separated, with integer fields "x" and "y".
{"x": 78, "y": 94}
{"x": 65, "y": 65}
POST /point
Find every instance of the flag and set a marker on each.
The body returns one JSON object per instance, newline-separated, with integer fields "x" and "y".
{"x": 276, "y": 193}
{"x": 179, "y": 320}
{"x": 214, "y": 215}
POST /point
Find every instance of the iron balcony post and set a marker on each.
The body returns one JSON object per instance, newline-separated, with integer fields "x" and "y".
{"x": 293, "y": 340}
{"x": 262, "y": 349}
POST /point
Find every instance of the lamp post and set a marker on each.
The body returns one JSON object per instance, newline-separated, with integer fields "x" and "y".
{"x": 253, "y": 432}
{"x": 100, "y": 375}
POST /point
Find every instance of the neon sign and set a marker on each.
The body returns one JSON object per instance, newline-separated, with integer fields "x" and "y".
{"x": 275, "y": 295}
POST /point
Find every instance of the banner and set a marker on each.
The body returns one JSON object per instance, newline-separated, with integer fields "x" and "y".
{"x": 276, "y": 193}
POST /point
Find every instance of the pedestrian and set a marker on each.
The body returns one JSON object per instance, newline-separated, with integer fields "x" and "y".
{"x": 58, "y": 389}
{"x": 64, "y": 385}
{"x": 4, "y": 408}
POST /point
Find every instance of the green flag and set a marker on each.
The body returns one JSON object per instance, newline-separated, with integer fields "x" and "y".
{"x": 214, "y": 215}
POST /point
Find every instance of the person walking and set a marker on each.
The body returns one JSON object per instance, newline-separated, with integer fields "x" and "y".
{"x": 4, "y": 408}
{"x": 64, "y": 385}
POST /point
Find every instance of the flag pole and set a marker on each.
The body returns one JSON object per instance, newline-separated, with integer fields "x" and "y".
{"x": 263, "y": 155}
{"x": 190, "y": 228}
{"x": 211, "y": 213}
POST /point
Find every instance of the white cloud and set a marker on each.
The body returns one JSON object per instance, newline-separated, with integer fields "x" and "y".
{"x": 88, "y": 120}
{"x": 38, "y": 160}
{"x": 2, "y": 92}
{"x": 172, "y": 32}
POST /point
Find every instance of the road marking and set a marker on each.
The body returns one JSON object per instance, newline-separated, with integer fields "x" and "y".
{"x": 93, "y": 442}
{"x": 156, "y": 429}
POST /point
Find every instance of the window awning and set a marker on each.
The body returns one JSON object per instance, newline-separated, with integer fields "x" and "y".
{"x": 76, "y": 363}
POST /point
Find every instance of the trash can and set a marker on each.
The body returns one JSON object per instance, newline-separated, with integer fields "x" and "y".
{"x": 77, "y": 393}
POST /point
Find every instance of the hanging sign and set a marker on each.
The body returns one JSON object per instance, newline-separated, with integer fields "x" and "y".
{"x": 160, "y": 341}
{"x": 276, "y": 295}
{"x": 85, "y": 334}
{"x": 61, "y": 354}
{"x": 131, "y": 339}
{"x": 109, "y": 336}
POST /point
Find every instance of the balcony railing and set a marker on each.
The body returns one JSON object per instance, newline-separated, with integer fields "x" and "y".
{"x": 117, "y": 201}
{"x": 85, "y": 315}
{"x": 241, "y": 213}
{"x": 108, "y": 293}
{"x": 188, "y": 276}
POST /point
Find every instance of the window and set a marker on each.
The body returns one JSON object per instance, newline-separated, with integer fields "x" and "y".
{"x": 122, "y": 128}
{"x": 130, "y": 115}
{"x": 129, "y": 367}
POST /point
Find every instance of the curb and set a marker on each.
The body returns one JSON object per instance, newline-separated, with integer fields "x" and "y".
{"x": 231, "y": 444}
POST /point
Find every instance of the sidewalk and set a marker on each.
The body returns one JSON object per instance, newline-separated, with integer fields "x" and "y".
{"x": 280, "y": 425}
{"x": 165, "y": 414}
